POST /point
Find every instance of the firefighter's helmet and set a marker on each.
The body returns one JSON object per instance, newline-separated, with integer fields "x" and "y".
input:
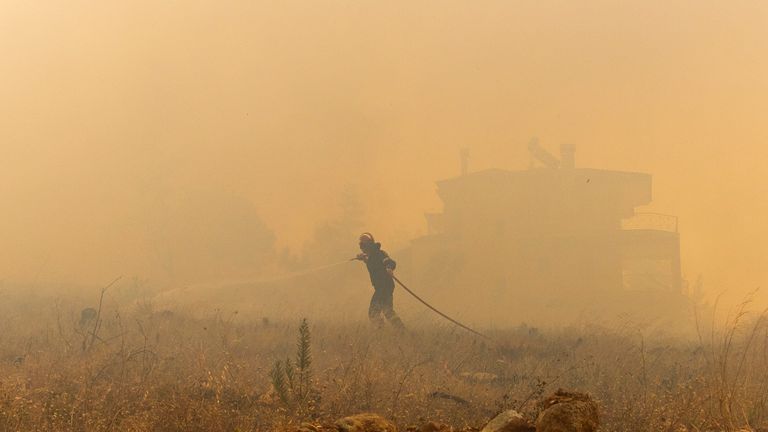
{"x": 366, "y": 238}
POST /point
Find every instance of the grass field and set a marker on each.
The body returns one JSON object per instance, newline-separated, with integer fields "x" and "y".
{"x": 135, "y": 368}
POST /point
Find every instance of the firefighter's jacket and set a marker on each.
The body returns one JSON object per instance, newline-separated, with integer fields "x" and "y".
{"x": 378, "y": 261}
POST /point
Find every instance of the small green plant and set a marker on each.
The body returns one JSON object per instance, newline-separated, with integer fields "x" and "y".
{"x": 278, "y": 382}
{"x": 293, "y": 381}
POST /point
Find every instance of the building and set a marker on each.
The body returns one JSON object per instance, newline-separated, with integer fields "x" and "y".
{"x": 550, "y": 240}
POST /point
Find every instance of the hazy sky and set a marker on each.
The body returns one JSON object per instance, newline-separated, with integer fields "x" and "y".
{"x": 287, "y": 103}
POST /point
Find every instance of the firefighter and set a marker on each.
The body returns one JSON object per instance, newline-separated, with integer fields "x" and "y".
{"x": 381, "y": 269}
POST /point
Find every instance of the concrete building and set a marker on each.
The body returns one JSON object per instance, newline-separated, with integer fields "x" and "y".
{"x": 550, "y": 239}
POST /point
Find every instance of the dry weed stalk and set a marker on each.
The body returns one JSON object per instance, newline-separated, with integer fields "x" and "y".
{"x": 180, "y": 372}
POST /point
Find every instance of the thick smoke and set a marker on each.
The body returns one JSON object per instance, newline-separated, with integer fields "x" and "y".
{"x": 191, "y": 142}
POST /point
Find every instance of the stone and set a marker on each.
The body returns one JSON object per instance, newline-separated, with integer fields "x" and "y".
{"x": 567, "y": 412}
{"x": 509, "y": 421}
{"x": 434, "y": 427}
{"x": 365, "y": 423}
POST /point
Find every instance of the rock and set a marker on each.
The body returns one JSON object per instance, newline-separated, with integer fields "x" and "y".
{"x": 509, "y": 421}
{"x": 435, "y": 427}
{"x": 567, "y": 412}
{"x": 441, "y": 395}
{"x": 365, "y": 423}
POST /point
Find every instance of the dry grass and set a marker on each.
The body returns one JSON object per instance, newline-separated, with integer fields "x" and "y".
{"x": 148, "y": 370}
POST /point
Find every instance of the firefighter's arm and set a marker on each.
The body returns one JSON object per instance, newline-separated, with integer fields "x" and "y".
{"x": 389, "y": 263}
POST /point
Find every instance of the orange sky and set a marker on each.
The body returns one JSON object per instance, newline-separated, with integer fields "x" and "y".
{"x": 287, "y": 103}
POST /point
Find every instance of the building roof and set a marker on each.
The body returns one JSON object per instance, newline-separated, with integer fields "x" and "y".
{"x": 629, "y": 189}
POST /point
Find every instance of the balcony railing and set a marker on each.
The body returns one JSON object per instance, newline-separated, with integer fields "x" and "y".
{"x": 651, "y": 221}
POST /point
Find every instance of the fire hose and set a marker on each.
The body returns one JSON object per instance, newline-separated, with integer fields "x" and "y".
{"x": 424, "y": 302}
{"x": 435, "y": 310}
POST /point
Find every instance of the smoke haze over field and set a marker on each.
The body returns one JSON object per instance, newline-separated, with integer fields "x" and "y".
{"x": 126, "y": 127}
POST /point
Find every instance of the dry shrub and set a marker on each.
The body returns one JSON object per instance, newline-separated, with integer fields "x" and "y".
{"x": 150, "y": 370}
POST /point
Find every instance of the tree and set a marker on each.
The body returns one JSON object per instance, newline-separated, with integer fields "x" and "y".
{"x": 204, "y": 234}
{"x": 331, "y": 239}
